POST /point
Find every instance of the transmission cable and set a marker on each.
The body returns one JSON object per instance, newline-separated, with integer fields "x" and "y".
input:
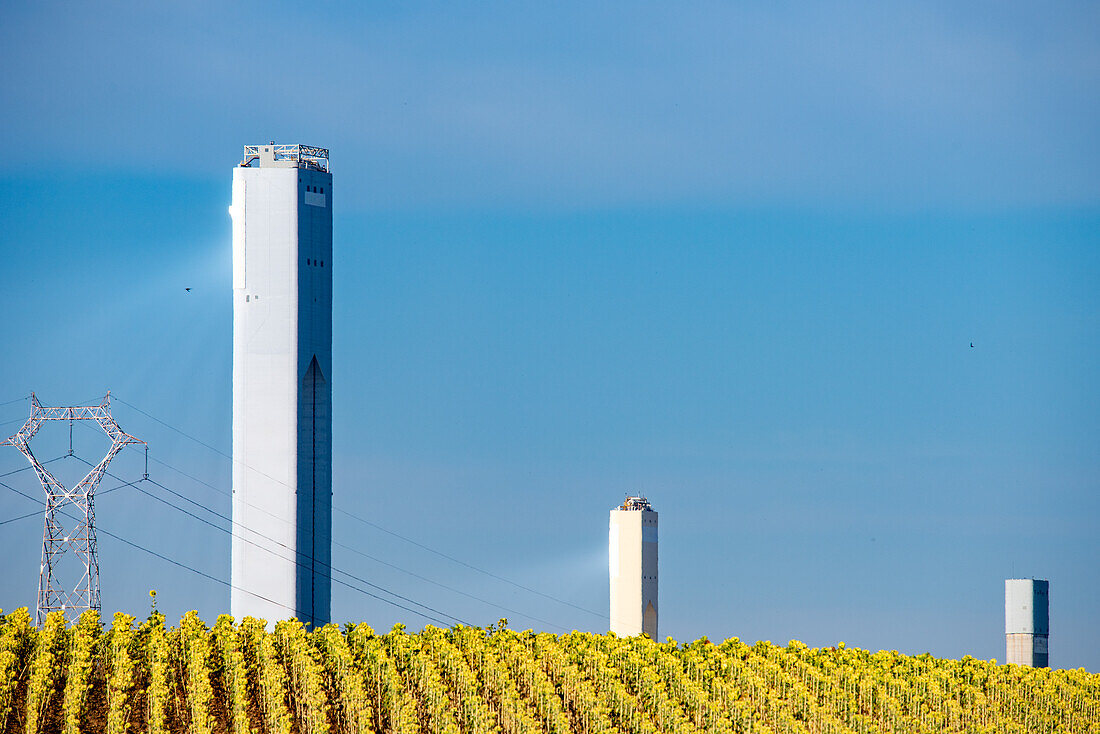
{"x": 28, "y": 467}
{"x": 131, "y": 543}
{"x": 39, "y": 514}
{"x": 362, "y": 591}
{"x": 352, "y": 515}
{"x": 16, "y": 471}
{"x": 219, "y": 580}
{"x": 331, "y": 540}
{"x": 174, "y": 562}
{"x": 20, "y": 517}
{"x": 43, "y": 504}
{"x": 23, "y": 494}
{"x": 300, "y": 564}
{"x": 16, "y": 400}
{"x": 349, "y": 548}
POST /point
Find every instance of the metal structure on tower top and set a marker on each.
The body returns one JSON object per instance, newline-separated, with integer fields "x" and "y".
{"x": 70, "y": 513}
{"x": 295, "y": 156}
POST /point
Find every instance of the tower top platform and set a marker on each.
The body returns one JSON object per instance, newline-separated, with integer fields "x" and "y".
{"x": 285, "y": 156}
{"x": 640, "y": 504}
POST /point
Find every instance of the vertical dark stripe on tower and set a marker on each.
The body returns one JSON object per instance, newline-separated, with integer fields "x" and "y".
{"x": 313, "y": 501}
{"x": 313, "y": 558}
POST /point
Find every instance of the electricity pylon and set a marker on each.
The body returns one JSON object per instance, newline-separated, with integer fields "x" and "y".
{"x": 70, "y": 513}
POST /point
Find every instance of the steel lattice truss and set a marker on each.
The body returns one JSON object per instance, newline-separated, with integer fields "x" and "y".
{"x": 306, "y": 156}
{"x": 70, "y": 513}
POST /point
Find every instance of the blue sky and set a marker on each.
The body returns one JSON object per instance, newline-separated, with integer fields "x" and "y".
{"x": 731, "y": 258}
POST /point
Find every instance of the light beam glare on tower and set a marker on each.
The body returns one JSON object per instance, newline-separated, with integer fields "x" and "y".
{"x": 75, "y": 506}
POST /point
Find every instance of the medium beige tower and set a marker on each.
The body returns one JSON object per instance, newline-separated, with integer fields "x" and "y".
{"x": 632, "y": 563}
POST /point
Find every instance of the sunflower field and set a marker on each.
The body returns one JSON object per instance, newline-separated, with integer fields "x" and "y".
{"x": 249, "y": 678}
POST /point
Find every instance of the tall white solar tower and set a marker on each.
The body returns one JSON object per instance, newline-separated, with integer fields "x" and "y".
{"x": 632, "y": 561}
{"x": 282, "y": 383}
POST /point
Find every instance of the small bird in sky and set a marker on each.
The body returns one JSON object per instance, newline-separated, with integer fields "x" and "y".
{"x": 189, "y": 290}
{"x": 971, "y": 343}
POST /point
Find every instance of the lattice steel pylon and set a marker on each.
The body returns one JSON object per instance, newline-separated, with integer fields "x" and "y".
{"x": 70, "y": 513}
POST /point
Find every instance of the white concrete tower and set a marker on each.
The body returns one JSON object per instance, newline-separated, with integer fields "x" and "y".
{"x": 632, "y": 562}
{"x": 282, "y": 383}
{"x": 1027, "y": 622}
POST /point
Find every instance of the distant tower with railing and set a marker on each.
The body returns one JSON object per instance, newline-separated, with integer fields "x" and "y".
{"x": 632, "y": 566}
{"x": 1027, "y": 622}
{"x": 282, "y": 383}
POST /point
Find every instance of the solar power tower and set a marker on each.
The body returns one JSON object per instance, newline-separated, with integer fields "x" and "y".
{"x": 1027, "y": 622}
{"x": 632, "y": 563}
{"x": 282, "y": 383}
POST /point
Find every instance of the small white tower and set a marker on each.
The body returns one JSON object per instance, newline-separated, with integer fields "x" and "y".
{"x": 1027, "y": 621}
{"x": 632, "y": 563}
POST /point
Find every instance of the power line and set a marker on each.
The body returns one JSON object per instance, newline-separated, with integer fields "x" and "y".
{"x": 14, "y": 471}
{"x": 349, "y": 548}
{"x": 19, "y": 517}
{"x": 490, "y": 574}
{"x": 171, "y": 427}
{"x": 220, "y": 580}
{"x": 24, "y": 494}
{"x": 434, "y": 619}
{"x": 223, "y": 517}
{"x": 43, "y": 504}
{"x": 185, "y": 566}
{"x": 28, "y": 467}
{"x": 16, "y": 400}
{"x": 301, "y": 564}
{"x": 356, "y": 551}
{"x": 128, "y": 542}
{"x": 293, "y": 553}
{"x": 34, "y": 499}
{"x": 352, "y": 515}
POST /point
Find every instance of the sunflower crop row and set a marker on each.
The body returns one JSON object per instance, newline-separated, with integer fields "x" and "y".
{"x": 247, "y": 678}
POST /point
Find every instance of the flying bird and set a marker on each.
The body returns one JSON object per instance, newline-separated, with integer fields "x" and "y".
{"x": 189, "y": 290}
{"x": 971, "y": 343}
